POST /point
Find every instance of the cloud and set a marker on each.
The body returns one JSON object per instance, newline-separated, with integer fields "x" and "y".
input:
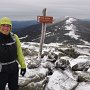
{"x": 56, "y": 8}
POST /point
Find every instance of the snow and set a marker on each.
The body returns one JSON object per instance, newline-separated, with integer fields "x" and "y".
{"x": 23, "y": 37}
{"x": 55, "y": 78}
{"x": 56, "y": 75}
{"x": 69, "y": 27}
{"x": 60, "y": 81}
{"x": 83, "y": 86}
{"x": 51, "y": 46}
{"x": 82, "y": 58}
{"x": 70, "y": 20}
{"x": 86, "y": 42}
{"x": 82, "y": 49}
{"x": 72, "y": 28}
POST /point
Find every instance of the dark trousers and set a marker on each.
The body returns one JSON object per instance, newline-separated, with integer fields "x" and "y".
{"x": 9, "y": 74}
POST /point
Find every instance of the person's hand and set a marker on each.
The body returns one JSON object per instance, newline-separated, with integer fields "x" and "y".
{"x": 23, "y": 71}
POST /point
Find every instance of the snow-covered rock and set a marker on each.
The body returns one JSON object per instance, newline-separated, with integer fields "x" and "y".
{"x": 83, "y": 86}
{"x": 60, "y": 81}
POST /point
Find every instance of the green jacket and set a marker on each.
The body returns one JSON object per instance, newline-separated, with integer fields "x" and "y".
{"x": 20, "y": 56}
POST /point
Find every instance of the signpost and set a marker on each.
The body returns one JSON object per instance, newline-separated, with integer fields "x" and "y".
{"x": 44, "y": 20}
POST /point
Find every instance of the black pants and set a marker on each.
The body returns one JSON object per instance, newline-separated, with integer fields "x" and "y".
{"x": 9, "y": 74}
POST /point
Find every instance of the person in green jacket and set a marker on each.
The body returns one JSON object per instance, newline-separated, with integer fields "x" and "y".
{"x": 10, "y": 56}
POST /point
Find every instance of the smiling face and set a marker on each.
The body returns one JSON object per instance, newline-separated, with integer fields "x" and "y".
{"x": 5, "y": 25}
{"x": 5, "y": 29}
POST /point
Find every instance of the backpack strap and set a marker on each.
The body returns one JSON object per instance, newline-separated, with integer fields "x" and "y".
{"x": 13, "y": 36}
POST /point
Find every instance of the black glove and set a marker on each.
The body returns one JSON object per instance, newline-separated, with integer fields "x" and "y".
{"x": 23, "y": 71}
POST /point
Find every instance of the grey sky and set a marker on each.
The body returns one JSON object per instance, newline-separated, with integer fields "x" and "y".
{"x": 30, "y": 9}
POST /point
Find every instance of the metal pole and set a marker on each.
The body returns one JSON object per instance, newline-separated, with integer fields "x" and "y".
{"x": 42, "y": 35}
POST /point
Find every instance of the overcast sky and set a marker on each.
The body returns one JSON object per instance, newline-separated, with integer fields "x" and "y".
{"x": 30, "y": 9}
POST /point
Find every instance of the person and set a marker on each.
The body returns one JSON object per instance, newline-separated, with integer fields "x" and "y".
{"x": 10, "y": 56}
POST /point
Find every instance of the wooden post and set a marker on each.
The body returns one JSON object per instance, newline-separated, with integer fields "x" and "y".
{"x": 42, "y": 35}
{"x": 44, "y": 20}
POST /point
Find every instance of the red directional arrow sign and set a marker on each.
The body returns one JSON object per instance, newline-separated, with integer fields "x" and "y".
{"x": 45, "y": 19}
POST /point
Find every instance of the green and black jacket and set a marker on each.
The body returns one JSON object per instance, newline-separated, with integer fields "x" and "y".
{"x": 10, "y": 49}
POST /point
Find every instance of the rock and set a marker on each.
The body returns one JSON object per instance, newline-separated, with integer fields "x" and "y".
{"x": 48, "y": 64}
{"x": 83, "y": 66}
{"x": 62, "y": 63}
{"x": 83, "y": 76}
{"x": 83, "y": 86}
{"x": 34, "y": 63}
{"x": 71, "y": 73}
{"x": 52, "y": 57}
{"x": 60, "y": 81}
{"x": 35, "y": 81}
{"x": 40, "y": 85}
